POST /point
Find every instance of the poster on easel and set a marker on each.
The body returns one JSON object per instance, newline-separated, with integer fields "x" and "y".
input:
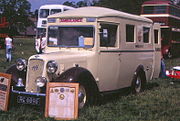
{"x": 5, "y": 81}
{"x": 62, "y": 100}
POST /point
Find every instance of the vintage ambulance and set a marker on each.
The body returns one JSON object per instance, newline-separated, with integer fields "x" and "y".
{"x": 103, "y": 50}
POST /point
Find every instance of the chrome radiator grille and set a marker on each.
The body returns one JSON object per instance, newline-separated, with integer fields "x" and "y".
{"x": 35, "y": 69}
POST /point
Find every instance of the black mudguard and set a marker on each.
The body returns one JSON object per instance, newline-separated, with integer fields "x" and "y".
{"x": 16, "y": 74}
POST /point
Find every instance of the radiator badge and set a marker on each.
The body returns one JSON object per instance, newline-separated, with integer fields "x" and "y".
{"x": 35, "y": 68}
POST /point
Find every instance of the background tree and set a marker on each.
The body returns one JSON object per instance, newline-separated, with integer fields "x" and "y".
{"x": 72, "y": 4}
{"x": 81, "y": 3}
{"x": 17, "y": 13}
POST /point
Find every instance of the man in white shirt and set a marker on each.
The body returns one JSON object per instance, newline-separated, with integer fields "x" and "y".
{"x": 40, "y": 44}
{"x": 8, "y": 42}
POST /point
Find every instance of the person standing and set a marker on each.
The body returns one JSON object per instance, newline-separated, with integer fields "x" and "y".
{"x": 8, "y": 42}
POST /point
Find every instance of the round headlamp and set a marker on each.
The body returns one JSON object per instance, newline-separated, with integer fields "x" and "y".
{"x": 41, "y": 81}
{"x": 21, "y": 64}
{"x": 52, "y": 67}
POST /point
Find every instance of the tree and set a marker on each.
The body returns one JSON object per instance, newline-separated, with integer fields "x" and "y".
{"x": 17, "y": 13}
{"x": 81, "y": 4}
{"x": 72, "y": 4}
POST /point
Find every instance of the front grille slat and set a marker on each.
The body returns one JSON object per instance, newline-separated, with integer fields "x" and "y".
{"x": 35, "y": 69}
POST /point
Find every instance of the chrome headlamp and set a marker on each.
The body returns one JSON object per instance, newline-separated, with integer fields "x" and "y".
{"x": 52, "y": 67}
{"x": 21, "y": 64}
{"x": 41, "y": 81}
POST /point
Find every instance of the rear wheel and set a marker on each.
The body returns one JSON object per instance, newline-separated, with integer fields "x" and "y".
{"x": 138, "y": 83}
{"x": 169, "y": 54}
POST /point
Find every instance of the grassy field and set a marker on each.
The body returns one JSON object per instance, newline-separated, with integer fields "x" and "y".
{"x": 159, "y": 102}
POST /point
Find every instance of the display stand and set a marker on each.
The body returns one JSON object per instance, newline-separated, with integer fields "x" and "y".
{"x": 5, "y": 81}
{"x": 62, "y": 100}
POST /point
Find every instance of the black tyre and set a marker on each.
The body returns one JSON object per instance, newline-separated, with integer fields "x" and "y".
{"x": 138, "y": 83}
{"x": 169, "y": 55}
{"x": 88, "y": 93}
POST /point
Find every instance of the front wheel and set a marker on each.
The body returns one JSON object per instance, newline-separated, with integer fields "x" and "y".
{"x": 82, "y": 96}
{"x": 88, "y": 94}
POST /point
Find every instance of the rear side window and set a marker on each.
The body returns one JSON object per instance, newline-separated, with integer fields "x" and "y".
{"x": 146, "y": 31}
{"x": 130, "y": 33}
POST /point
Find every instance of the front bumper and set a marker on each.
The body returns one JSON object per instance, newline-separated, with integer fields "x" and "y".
{"x": 27, "y": 98}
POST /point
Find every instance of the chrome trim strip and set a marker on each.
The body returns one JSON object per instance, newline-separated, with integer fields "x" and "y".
{"x": 28, "y": 93}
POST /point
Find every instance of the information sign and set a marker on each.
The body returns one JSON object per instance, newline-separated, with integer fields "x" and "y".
{"x": 62, "y": 100}
{"x": 5, "y": 81}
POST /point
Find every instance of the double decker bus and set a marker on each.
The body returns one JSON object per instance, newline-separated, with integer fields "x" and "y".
{"x": 167, "y": 13}
{"x": 43, "y": 12}
{"x": 3, "y": 31}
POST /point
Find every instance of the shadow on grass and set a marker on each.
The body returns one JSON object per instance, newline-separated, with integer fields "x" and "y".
{"x": 152, "y": 85}
{"x": 110, "y": 97}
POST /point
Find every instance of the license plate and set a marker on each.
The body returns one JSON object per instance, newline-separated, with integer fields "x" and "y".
{"x": 28, "y": 100}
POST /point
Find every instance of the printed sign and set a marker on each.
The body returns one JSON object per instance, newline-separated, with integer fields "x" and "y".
{"x": 71, "y": 20}
{"x": 62, "y": 100}
{"x": 5, "y": 81}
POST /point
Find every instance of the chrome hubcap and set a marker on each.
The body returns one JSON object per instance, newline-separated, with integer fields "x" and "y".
{"x": 138, "y": 85}
{"x": 82, "y": 96}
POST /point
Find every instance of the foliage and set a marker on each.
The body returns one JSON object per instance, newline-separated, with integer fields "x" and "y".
{"x": 79, "y": 4}
{"x": 17, "y": 13}
{"x": 72, "y": 4}
{"x": 159, "y": 102}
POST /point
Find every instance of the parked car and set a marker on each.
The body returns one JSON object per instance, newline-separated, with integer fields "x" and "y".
{"x": 174, "y": 72}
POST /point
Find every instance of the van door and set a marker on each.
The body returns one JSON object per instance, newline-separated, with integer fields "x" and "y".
{"x": 108, "y": 67}
{"x": 157, "y": 48}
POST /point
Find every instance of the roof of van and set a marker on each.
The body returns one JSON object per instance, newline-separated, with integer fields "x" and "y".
{"x": 55, "y": 6}
{"x": 98, "y": 12}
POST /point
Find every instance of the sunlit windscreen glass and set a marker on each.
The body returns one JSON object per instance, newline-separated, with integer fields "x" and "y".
{"x": 71, "y": 36}
{"x": 44, "y": 13}
{"x": 53, "y": 11}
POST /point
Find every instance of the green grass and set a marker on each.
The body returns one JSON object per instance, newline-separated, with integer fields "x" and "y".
{"x": 23, "y": 48}
{"x": 159, "y": 102}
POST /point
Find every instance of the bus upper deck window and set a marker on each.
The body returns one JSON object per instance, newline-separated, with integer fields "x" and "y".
{"x": 66, "y": 9}
{"x": 44, "y": 13}
{"x": 53, "y": 11}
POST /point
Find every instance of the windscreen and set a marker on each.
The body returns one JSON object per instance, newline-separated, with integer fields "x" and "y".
{"x": 81, "y": 36}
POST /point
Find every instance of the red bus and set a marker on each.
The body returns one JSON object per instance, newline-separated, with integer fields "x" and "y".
{"x": 167, "y": 14}
{"x": 3, "y": 29}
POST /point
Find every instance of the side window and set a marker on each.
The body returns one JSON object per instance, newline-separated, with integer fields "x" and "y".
{"x": 146, "y": 31}
{"x": 130, "y": 33}
{"x": 108, "y": 36}
{"x": 156, "y": 36}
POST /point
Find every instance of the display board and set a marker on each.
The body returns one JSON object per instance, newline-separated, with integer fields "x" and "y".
{"x": 5, "y": 81}
{"x": 62, "y": 100}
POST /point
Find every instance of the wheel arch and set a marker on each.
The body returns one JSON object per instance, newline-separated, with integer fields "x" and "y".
{"x": 15, "y": 73}
{"x": 75, "y": 74}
